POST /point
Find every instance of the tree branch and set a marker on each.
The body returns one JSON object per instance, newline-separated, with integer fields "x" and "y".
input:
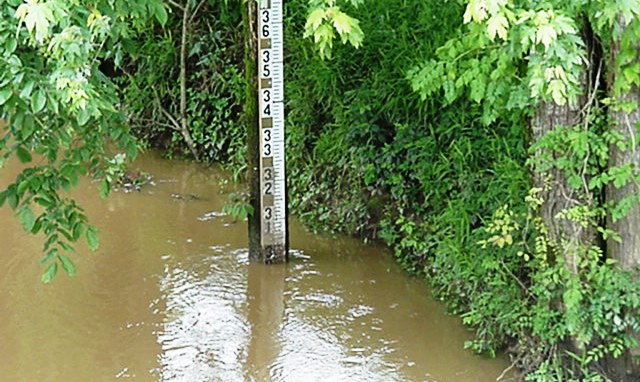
{"x": 183, "y": 82}
{"x": 195, "y": 11}
{"x": 174, "y": 4}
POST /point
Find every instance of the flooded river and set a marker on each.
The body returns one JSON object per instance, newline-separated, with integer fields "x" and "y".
{"x": 171, "y": 296}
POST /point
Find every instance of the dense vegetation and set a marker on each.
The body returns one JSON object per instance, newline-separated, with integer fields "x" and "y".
{"x": 491, "y": 144}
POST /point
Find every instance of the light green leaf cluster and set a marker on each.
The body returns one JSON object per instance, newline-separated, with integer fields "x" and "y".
{"x": 473, "y": 67}
{"x": 549, "y": 41}
{"x": 325, "y": 18}
{"x": 546, "y": 26}
{"x": 512, "y": 55}
{"x": 494, "y": 12}
{"x": 37, "y": 17}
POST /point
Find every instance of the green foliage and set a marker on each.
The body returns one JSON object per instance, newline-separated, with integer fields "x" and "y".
{"x": 344, "y": 112}
{"x": 238, "y": 206}
{"x": 446, "y": 181}
{"x": 58, "y": 110}
{"x": 325, "y": 18}
{"x": 537, "y": 55}
{"x": 600, "y": 307}
{"x": 215, "y": 84}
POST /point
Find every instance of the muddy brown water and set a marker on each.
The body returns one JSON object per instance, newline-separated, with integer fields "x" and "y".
{"x": 171, "y": 296}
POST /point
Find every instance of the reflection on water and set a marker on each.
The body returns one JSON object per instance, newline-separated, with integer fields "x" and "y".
{"x": 171, "y": 296}
{"x": 205, "y": 331}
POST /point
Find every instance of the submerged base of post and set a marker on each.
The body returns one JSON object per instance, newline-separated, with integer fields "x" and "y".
{"x": 274, "y": 254}
{"x": 270, "y": 254}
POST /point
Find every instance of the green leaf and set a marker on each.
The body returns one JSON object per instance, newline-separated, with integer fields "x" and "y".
{"x": 73, "y": 178}
{"x": 44, "y": 202}
{"x": 37, "y": 226}
{"x": 104, "y": 188}
{"x": 356, "y": 36}
{"x": 315, "y": 18}
{"x": 67, "y": 265}
{"x": 159, "y": 12}
{"x": 67, "y": 235}
{"x": 497, "y": 25}
{"x": 27, "y": 127}
{"x": 53, "y": 104}
{"x": 51, "y": 239}
{"x": 5, "y": 94}
{"x": 78, "y": 229}
{"x": 27, "y": 218}
{"x": 323, "y": 37}
{"x": 27, "y": 89}
{"x": 66, "y": 186}
{"x": 10, "y": 45}
{"x": 564, "y": 24}
{"x": 23, "y": 155}
{"x": 575, "y": 181}
{"x": 38, "y": 100}
{"x": 342, "y": 22}
{"x": 83, "y": 116}
{"x": 92, "y": 239}
{"x": 3, "y": 197}
{"x": 37, "y": 18}
{"x": 49, "y": 273}
{"x": 557, "y": 90}
{"x": 23, "y": 185}
{"x": 12, "y": 198}
{"x": 50, "y": 255}
{"x": 476, "y": 11}
{"x": 66, "y": 246}
{"x": 546, "y": 35}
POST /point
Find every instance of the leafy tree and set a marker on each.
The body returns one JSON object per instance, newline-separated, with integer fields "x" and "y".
{"x": 623, "y": 190}
{"x": 60, "y": 111}
{"x": 547, "y": 58}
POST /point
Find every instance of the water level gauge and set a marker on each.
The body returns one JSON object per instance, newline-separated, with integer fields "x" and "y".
{"x": 273, "y": 211}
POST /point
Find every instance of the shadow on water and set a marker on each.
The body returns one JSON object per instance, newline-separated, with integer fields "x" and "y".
{"x": 171, "y": 296}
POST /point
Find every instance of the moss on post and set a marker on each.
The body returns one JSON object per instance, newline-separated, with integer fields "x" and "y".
{"x": 251, "y": 123}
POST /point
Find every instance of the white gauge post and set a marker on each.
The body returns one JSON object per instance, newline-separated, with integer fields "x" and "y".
{"x": 271, "y": 137}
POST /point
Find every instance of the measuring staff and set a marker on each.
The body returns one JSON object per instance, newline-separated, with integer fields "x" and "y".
{"x": 273, "y": 211}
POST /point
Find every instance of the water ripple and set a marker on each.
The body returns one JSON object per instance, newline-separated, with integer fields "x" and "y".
{"x": 205, "y": 330}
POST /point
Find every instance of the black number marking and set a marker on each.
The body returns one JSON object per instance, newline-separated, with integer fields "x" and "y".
{"x": 267, "y": 188}
{"x": 268, "y": 174}
{"x": 267, "y": 110}
{"x": 265, "y": 31}
{"x": 267, "y": 149}
{"x": 267, "y": 134}
{"x": 266, "y": 72}
{"x": 268, "y": 213}
{"x": 266, "y": 95}
{"x": 265, "y": 16}
{"x": 266, "y": 57}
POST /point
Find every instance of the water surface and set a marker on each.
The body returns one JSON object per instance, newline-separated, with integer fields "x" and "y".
{"x": 171, "y": 296}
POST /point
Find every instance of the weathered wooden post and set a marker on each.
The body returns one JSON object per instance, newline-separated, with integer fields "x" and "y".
{"x": 264, "y": 110}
